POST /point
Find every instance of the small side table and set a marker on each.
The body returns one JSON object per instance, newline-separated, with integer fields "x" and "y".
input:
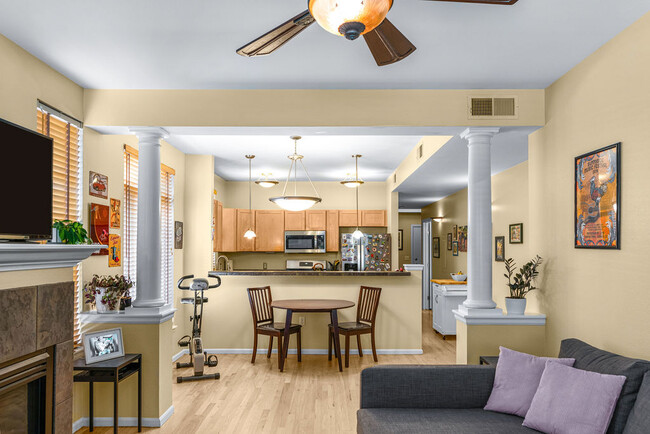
{"x": 110, "y": 371}
{"x": 489, "y": 360}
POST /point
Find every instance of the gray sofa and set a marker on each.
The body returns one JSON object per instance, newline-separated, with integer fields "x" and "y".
{"x": 450, "y": 399}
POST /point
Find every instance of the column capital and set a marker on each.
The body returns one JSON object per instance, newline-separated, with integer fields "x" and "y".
{"x": 149, "y": 133}
{"x": 473, "y": 132}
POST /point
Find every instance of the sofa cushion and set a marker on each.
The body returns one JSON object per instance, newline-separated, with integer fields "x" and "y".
{"x": 516, "y": 380}
{"x": 575, "y": 401}
{"x": 639, "y": 420}
{"x": 437, "y": 421}
{"x": 596, "y": 360}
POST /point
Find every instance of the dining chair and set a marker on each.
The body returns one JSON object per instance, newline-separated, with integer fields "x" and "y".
{"x": 263, "y": 323}
{"x": 365, "y": 324}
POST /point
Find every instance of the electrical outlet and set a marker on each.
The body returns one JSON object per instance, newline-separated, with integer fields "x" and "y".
{"x": 301, "y": 320}
{"x": 264, "y": 266}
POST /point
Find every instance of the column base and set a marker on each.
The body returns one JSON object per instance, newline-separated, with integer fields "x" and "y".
{"x": 478, "y": 313}
{"x": 147, "y": 304}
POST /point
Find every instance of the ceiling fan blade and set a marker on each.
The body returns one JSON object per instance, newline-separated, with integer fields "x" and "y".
{"x": 387, "y": 44}
{"x": 271, "y": 41}
{"x": 489, "y": 2}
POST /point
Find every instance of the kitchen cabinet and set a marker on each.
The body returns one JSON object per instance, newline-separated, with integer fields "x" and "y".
{"x": 245, "y": 221}
{"x": 445, "y": 299}
{"x": 349, "y": 218}
{"x": 373, "y": 218}
{"x": 228, "y": 230}
{"x": 332, "y": 235}
{"x": 294, "y": 220}
{"x": 269, "y": 227}
{"x": 217, "y": 228}
{"x": 316, "y": 220}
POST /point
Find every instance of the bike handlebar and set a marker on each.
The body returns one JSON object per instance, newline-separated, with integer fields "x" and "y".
{"x": 189, "y": 276}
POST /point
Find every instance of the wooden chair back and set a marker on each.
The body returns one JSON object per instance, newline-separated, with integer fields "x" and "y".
{"x": 260, "y": 300}
{"x": 368, "y": 303}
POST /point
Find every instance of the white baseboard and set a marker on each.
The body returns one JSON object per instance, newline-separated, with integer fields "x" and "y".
{"x": 180, "y": 354}
{"x": 149, "y": 422}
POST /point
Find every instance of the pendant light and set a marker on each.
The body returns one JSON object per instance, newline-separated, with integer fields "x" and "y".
{"x": 296, "y": 202}
{"x": 355, "y": 182}
{"x": 250, "y": 233}
{"x": 357, "y": 234}
{"x": 267, "y": 180}
{"x": 349, "y": 18}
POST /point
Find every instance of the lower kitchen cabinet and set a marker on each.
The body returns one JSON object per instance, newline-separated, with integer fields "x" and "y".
{"x": 445, "y": 299}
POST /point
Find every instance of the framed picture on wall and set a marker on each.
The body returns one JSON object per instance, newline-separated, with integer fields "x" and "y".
{"x": 454, "y": 233}
{"x": 99, "y": 226}
{"x": 114, "y": 250}
{"x": 116, "y": 215}
{"x": 178, "y": 235}
{"x": 517, "y": 233}
{"x": 454, "y": 248}
{"x": 597, "y": 199}
{"x": 436, "y": 247}
{"x": 449, "y": 241}
{"x": 400, "y": 239}
{"x": 462, "y": 238}
{"x": 500, "y": 249}
{"x": 97, "y": 185}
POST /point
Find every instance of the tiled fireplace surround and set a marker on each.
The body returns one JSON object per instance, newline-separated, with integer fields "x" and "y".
{"x": 37, "y": 317}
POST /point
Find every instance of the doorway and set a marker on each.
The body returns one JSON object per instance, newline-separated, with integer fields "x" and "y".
{"x": 416, "y": 244}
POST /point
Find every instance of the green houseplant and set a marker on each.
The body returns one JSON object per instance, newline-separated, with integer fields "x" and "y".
{"x": 520, "y": 283}
{"x": 106, "y": 292}
{"x": 71, "y": 232}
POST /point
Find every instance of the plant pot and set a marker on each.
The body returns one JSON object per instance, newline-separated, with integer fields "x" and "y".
{"x": 515, "y": 306}
{"x": 125, "y": 302}
{"x": 104, "y": 307}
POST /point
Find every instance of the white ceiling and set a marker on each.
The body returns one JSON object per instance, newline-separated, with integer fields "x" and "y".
{"x": 156, "y": 44}
{"x": 446, "y": 171}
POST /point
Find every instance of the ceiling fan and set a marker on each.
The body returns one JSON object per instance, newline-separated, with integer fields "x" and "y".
{"x": 351, "y": 19}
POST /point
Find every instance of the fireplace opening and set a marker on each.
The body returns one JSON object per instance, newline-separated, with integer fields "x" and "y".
{"x": 26, "y": 394}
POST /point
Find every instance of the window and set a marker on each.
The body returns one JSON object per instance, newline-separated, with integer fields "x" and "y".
{"x": 66, "y": 133}
{"x": 130, "y": 213}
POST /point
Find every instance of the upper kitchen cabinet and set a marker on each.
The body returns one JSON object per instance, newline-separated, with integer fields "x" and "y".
{"x": 332, "y": 236}
{"x": 245, "y": 221}
{"x": 228, "y": 242}
{"x": 294, "y": 221}
{"x": 217, "y": 229}
{"x": 316, "y": 220}
{"x": 349, "y": 218}
{"x": 269, "y": 227}
{"x": 373, "y": 218}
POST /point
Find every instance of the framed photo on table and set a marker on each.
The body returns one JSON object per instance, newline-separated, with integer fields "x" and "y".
{"x": 103, "y": 345}
{"x": 436, "y": 247}
{"x": 597, "y": 204}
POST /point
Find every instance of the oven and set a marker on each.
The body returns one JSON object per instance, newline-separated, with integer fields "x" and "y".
{"x": 304, "y": 242}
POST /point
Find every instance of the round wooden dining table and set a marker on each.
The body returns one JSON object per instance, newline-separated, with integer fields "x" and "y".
{"x": 311, "y": 305}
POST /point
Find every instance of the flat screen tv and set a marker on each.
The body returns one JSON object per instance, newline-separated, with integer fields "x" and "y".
{"x": 25, "y": 183}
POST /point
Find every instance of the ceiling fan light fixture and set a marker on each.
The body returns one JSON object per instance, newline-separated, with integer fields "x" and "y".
{"x": 349, "y": 18}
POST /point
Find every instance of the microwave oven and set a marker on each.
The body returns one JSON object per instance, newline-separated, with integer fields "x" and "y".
{"x": 304, "y": 242}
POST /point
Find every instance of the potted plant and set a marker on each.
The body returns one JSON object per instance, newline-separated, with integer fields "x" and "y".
{"x": 520, "y": 284}
{"x": 106, "y": 292}
{"x": 70, "y": 232}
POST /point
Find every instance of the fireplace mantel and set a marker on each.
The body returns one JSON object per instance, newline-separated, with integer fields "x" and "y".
{"x": 25, "y": 256}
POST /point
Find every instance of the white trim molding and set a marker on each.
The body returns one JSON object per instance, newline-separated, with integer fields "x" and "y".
{"x": 476, "y": 318}
{"x": 149, "y": 422}
{"x": 130, "y": 316}
{"x": 23, "y": 256}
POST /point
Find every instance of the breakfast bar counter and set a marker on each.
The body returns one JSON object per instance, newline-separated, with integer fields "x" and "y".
{"x": 312, "y": 273}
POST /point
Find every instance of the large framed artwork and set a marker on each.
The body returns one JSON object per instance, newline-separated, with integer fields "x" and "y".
{"x": 436, "y": 247}
{"x": 462, "y": 238}
{"x": 99, "y": 226}
{"x": 598, "y": 199}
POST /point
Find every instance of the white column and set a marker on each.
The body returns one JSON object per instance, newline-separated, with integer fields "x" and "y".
{"x": 479, "y": 220}
{"x": 149, "y": 292}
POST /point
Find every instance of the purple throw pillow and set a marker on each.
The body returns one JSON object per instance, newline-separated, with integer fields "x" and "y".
{"x": 516, "y": 380}
{"x": 571, "y": 400}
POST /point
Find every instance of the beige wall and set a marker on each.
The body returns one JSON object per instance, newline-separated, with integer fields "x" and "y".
{"x": 199, "y": 188}
{"x": 598, "y": 296}
{"x": 300, "y": 107}
{"x": 474, "y": 341}
{"x": 405, "y": 222}
{"x": 509, "y": 205}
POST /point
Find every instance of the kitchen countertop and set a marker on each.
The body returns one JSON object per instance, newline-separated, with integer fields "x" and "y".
{"x": 448, "y": 282}
{"x": 311, "y": 273}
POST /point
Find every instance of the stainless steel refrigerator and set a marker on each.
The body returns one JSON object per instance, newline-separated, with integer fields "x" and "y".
{"x": 372, "y": 252}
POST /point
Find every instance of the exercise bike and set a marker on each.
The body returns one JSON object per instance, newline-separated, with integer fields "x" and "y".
{"x": 198, "y": 357}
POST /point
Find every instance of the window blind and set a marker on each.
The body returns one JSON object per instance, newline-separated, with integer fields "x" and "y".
{"x": 66, "y": 135}
{"x": 130, "y": 223}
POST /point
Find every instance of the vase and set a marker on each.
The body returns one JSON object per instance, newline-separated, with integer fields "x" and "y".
{"x": 104, "y": 308}
{"x": 515, "y": 306}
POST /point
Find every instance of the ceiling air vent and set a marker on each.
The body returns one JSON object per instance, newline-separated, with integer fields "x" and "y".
{"x": 394, "y": 178}
{"x": 493, "y": 108}
{"x": 420, "y": 152}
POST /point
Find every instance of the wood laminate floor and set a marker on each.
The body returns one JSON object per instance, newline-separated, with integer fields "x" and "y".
{"x": 308, "y": 397}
